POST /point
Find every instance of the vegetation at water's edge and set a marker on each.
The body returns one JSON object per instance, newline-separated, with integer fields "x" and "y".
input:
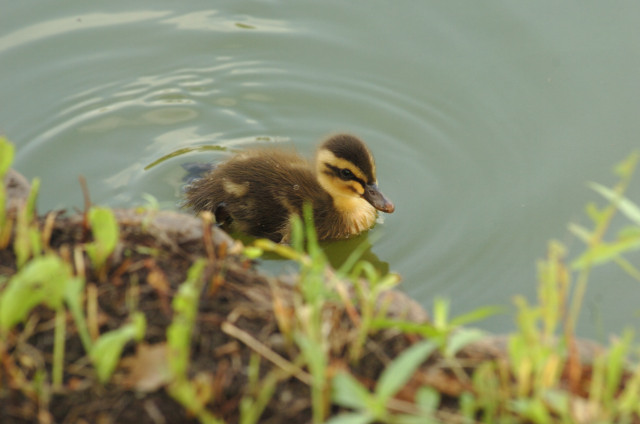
{"x": 84, "y": 313}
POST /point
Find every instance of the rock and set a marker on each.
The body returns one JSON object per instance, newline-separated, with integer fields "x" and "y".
{"x": 18, "y": 189}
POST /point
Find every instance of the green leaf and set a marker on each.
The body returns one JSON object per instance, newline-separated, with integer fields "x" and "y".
{"x": 533, "y": 409}
{"x": 415, "y": 419}
{"x": 315, "y": 357}
{"x": 475, "y": 315}
{"x": 150, "y": 202}
{"x": 73, "y": 299}
{"x": 396, "y": 375}
{"x": 440, "y": 313}
{"x": 625, "y": 168}
{"x": 425, "y": 329}
{"x": 312, "y": 239}
{"x": 106, "y": 351}
{"x": 3, "y": 205}
{"x": 185, "y": 310}
{"x": 252, "y": 252}
{"x": 626, "y": 206}
{"x": 351, "y": 418}
{"x": 461, "y": 338}
{"x": 348, "y": 392}
{"x": 105, "y": 233}
{"x": 31, "y": 200}
{"x": 428, "y": 399}
{"x": 629, "y": 232}
{"x": 297, "y": 234}
{"x": 594, "y": 213}
{"x": 606, "y": 252}
{"x": 559, "y": 403}
{"x": 6, "y": 156}
{"x": 581, "y": 232}
{"x": 616, "y": 358}
{"x": 42, "y": 280}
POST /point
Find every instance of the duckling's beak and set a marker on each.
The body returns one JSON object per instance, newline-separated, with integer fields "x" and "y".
{"x": 377, "y": 199}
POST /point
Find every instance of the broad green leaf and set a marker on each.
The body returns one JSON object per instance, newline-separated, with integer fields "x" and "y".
{"x": 105, "y": 234}
{"x": 42, "y": 280}
{"x": 398, "y": 372}
{"x": 348, "y": 392}
{"x": 106, "y": 351}
{"x": 626, "y": 206}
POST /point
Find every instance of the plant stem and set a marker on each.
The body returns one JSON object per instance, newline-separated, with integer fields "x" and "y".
{"x": 58, "y": 348}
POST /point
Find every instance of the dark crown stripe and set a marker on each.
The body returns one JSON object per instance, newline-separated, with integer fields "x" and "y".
{"x": 350, "y": 148}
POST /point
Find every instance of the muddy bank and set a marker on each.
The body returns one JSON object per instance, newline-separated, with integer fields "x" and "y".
{"x": 237, "y": 345}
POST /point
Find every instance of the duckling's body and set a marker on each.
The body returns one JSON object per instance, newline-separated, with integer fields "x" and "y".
{"x": 259, "y": 190}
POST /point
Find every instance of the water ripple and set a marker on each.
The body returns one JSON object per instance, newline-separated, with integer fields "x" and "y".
{"x": 55, "y": 27}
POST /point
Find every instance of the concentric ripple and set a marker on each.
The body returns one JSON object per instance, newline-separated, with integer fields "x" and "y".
{"x": 485, "y": 120}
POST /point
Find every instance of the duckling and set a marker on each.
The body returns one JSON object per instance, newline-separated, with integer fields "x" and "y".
{"x": 259, "y": 190}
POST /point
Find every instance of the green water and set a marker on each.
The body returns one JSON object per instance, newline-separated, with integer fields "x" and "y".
{"x": 486, "y": 118}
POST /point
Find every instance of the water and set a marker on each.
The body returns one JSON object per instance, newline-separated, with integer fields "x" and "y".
{"x": 486, "y": 119}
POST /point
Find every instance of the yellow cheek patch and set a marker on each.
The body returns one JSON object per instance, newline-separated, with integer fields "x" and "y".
{"x": 355, "y": 187}
{"x": 337, "y": 187}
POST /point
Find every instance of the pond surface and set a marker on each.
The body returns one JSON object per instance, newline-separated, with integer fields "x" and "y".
{"x": 486, "y": 118}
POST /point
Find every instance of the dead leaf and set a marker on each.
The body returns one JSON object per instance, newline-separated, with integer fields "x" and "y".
{"x": 148, "y": 370}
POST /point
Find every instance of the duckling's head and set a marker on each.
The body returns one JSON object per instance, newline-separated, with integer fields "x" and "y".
{"x": 347, "y": 171}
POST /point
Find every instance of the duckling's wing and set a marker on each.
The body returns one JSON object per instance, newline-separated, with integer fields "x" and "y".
{"x": 259, "y": 189}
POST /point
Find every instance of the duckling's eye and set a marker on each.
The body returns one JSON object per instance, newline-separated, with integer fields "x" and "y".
{"x": 345, "y": 174}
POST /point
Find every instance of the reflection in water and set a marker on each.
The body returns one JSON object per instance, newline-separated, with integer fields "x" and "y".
{"x": 52, "y": 28}
{"x": 212, "y": 20}
{"x": 339, "y": 251}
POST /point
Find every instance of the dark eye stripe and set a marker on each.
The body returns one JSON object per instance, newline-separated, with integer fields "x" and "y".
{"x": 338, "y": 173}
{"x": 346, "y": 174}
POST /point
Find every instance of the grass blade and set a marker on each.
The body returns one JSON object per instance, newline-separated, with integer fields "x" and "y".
{"x": 626, "y": 206}
{"x": 396, "y": 375}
